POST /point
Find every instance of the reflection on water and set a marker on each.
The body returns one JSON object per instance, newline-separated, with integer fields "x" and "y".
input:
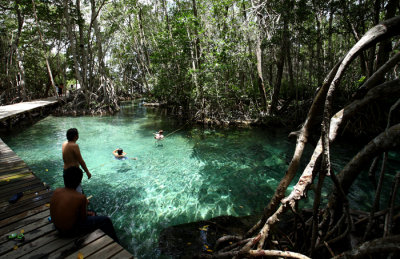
{"x": 195, "y": 174}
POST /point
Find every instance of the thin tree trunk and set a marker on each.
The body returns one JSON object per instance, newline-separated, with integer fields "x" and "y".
{"x": 371, "y": 59}
{"x": 386, "y": 46}
{"x": 280, "y": 63}
{"x": 330, "y": 32}
{"x": 260, "y": 60}
{"x": 389, "y": 216}
{"x": 71, "y": 38}
{"x": 83, "y": 50}
{"x": 375, "y": 206}
{"x": 21, "y": 75}
{"x": 289, "y": 64}
{"x": 99, "y": 45}
{"x": 196, "y": 59}
{"x": 142, "y": 38}
{"x": 45, "y": 47}
{"x": 166, "y": 18}
{"x": 319, "y": 56}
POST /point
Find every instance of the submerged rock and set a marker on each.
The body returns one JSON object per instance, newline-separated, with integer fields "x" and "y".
{"x": 194, "y": 238}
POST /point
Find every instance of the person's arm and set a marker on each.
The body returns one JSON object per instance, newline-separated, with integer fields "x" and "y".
{"x": 82, "y": 162}
{"x": 83, "y": 210}
{"x": 115, "y": 152}
{"x": 123, "y": 154}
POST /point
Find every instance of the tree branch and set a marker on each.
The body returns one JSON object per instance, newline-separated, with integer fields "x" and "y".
{"x": 377, "y": 246}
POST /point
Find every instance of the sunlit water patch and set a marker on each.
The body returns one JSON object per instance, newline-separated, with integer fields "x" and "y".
{"x": 193, "y": 174}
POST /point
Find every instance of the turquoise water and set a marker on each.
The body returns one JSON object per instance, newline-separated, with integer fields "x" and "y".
{"x": 193, "y": 174}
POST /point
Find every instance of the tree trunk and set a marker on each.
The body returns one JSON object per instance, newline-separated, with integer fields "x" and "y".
{"x": 71, "y": 38}
{"x": 83, "y": 51}
{"x": 279, "y": 65}
{"x": 319, "y": 56}
{"x": 45, "y": 47}
{"x": 166, "y": 18}
{"x": 143, "y": 41}
{"x": 387, "y": 140}
{"x": 371, "y": 59}
{"x": 386, "y": 46}
{"x": 21, "y": 73}
{"x": 100, "y": 56}
{"x": 260, "y": 61}
{"x": 196, "y": 59}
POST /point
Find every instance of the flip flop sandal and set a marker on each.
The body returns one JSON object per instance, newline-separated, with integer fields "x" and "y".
{"x": 15, "y": 197}
{"x": 20, "y": 237}
{"x": 12, "y": 236}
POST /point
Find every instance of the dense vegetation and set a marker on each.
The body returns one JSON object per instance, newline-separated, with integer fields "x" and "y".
{"x": 217, "y": 60}
{"x": 228, "y": 60}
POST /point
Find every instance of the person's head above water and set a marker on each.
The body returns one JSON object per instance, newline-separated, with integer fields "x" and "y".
{"x": 72, "y": 177}
{"x": 120, "y": 151}
{"x": 72, "y": 133}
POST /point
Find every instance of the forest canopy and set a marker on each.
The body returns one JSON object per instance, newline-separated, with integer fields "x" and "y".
{"x": 212, "y": 60}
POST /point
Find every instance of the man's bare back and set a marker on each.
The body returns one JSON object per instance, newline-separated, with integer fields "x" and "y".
{"x": 72, "y": 155}
{"x": 68, "y": 207}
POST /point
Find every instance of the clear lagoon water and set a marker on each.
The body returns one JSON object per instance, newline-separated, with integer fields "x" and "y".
{"x": 193, "y": 174}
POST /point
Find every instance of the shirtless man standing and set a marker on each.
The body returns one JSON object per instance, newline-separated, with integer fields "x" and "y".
{"x": 72, "y": 155}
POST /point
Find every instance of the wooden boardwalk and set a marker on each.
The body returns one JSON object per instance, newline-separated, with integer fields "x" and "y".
{"x": 29, "y": 215}
{"x": 28, "y": 109}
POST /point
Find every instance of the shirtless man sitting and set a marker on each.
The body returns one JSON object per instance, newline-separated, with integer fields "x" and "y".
{"x": 72, "y": 155}
{"x": 68, "y": 209}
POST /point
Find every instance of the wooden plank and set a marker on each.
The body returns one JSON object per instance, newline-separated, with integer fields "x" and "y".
{"x": 8, "y": 111}
{"x": 24, "y": 203}
{"x": 16, "y": 178}
{"x": 12, "y": 172}
{"x": 19, "y": 210}
{"x": 41, "y": 247}
{"x": 16, "y": 164}
{"x": 26, "y": 248}
{"x": 23, "y": 222}
{"x": 9, "y": 190}
{"x": 106, "y": 252}
{"x": 122, "y": 255}
{"x": 6, "y": 154}
{"x": 23, "y": 215}
{"x": 92, "y": 247}
{"x": 76, "y": 245}
{"x": 4, "y": 196}
{"x": 27, "y": 195}
{"x": 29, "y": 237}
{"x": 27, "y": 228}
{"x": 19, "y": 185}
{"x": 24, "y": 189}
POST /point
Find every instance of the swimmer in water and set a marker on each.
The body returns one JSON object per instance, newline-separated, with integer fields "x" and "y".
{"x": 159, "y": 135}
{"x": 119, "y": 153}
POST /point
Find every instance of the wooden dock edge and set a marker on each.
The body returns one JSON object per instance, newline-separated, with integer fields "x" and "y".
{"x": 29, "y": 216}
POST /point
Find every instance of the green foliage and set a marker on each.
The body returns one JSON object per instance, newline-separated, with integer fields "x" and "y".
{"x": 181, "y": 57}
